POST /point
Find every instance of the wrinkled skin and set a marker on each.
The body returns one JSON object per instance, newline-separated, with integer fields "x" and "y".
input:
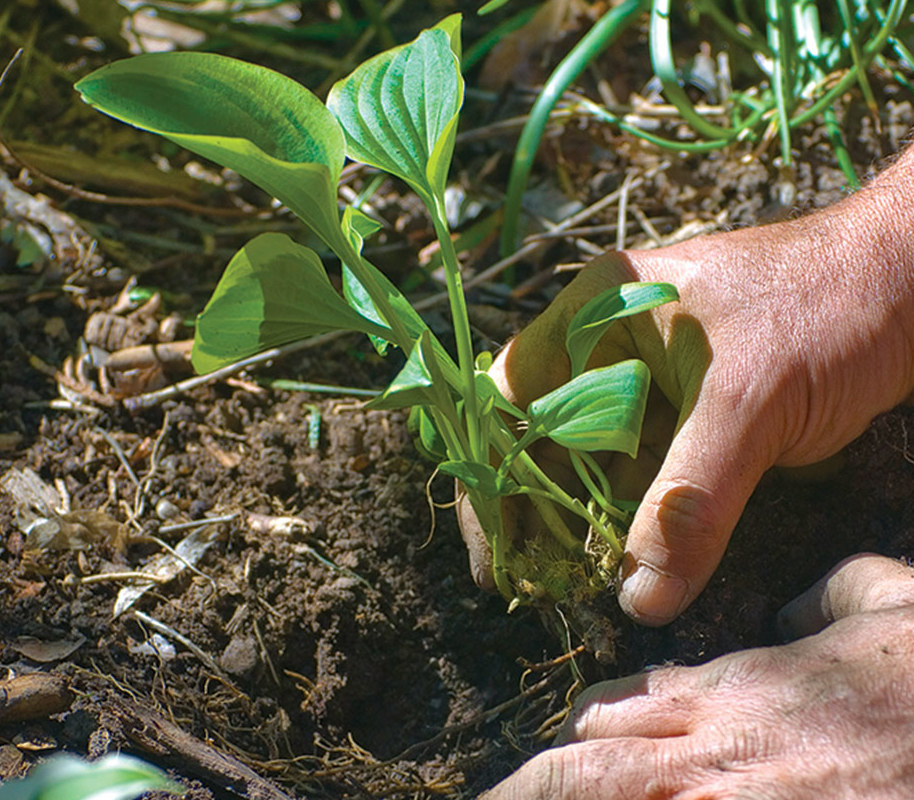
{"x": 828, "y": 716}
{"x": 787, "y": 341}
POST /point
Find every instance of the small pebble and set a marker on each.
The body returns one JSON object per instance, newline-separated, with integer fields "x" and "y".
{"x": 240, "y": 656}
{"x": 165, "y": 509}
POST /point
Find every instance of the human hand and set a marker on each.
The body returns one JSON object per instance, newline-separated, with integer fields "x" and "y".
{"x": 787, "y": 341}
{"x": 827, "y": 716}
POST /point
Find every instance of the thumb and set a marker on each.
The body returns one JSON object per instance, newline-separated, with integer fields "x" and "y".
{"x": 682, "y": 527}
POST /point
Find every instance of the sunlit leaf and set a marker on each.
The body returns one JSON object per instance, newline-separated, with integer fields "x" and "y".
{"x": 274, "y": 291}
{"x": 480, "y": 477}
{"x": 112, "y": 777}
{"x": 595, "y": 317}
{"x": 264, "y": 125}
{"x": 600, "y": 410}
{"x": 451, "y": 26}
{"x": 399, "y": 110}
{"x": 484, "y": 360}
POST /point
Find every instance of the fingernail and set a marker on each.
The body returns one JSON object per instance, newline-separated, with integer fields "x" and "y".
{"x": 652, "y": 596}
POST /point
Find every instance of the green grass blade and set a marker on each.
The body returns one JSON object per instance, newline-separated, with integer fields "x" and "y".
{"x": 492, "y": 5}
{"x": 665, "y": 69}
{"x": 857, "y": 57}
{"x": 872, "y": 48}
{"x": 594, "y": 42}
{"x": 781, "y": 74}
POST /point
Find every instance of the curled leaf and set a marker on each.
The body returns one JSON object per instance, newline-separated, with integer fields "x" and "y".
{"x": 600, "y": 410}
{"x": 596, "y": 316}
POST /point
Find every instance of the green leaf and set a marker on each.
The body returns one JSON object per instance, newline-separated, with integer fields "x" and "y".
{"x": 484, "y": 360}
{"x": 482, "y": 478}
{"x": 358, "y": 227}
{"x": 420, "y": 382}
{"x": 113, "y": 777}
{"x": 595, "y": 317}
{"x": 264, "y": 125}
{"x": 428, "y": 440}
{"x": 600, "y": 410}
{"x": 274, "y": 291}
{"x": 451, "y": 26}
{"x": 487, "y": 391}
{"x": 399, "y": 110}
{"x": 491, "y": 6}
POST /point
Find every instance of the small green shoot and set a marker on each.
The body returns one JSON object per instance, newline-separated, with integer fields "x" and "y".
{"x": 398, "y": 112}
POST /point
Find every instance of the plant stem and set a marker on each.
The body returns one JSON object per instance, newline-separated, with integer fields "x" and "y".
{"x": 462, "y": 334}
{"x": 669, "y": 144}
{"x": 865, "y": 88}
{"x": 528, "y": 473}
{"x": 782, "y": 77}
{"x": 811, "y": 35}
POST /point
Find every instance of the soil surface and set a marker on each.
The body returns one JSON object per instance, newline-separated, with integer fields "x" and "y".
{"x": 319, "y": 635}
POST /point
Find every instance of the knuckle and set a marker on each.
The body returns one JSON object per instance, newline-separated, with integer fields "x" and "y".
{"x": 688, "y": 516}
{"x": 553, "y": 774}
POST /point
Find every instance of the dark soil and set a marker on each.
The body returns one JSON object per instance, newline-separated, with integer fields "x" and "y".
{"x": 346, "y": 652}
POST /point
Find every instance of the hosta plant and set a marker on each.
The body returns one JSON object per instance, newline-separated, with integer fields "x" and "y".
{"x": 397, "y": 112}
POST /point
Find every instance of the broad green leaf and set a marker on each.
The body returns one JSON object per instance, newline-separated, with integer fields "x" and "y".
{"x": 399, "y": 110}
{"x": 595, "y": 317}
{"x": 264, "y": 125}
{"x": 419, "y": 382}
{"x": 112, "y": 777}
{"x": 600, "y": 410}
{"x": 451, "y": 26}
{"x": 274, "y": 291}
{"x": 359, "y": 297}
{"x": 427, "y": 438}
{"x": 480, "y": 477}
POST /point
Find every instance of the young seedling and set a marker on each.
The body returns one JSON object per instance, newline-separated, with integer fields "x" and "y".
{"x": 397, "y": 112}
